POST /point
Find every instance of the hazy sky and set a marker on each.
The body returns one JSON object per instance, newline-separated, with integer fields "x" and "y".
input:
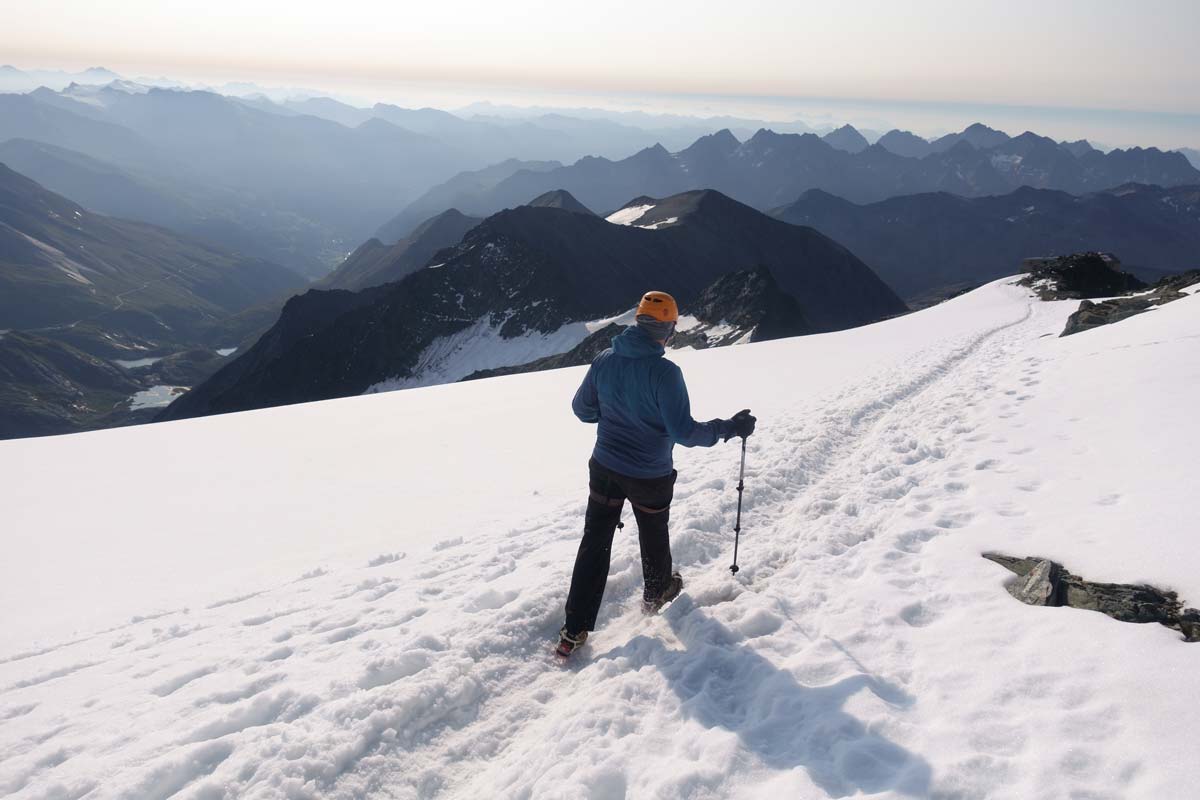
{"x": 1092, "y": 54}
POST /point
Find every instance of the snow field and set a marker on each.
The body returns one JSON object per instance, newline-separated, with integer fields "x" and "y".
{"x": 865, "y": 648}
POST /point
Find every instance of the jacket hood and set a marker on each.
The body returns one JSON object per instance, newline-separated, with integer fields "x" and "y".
{"x": 636, "y": 343}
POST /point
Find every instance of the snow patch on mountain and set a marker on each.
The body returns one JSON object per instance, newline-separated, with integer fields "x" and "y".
{"x": 628, "y": 216}
{"x": 482, "y": 346}
{"x": 159, "y": 396}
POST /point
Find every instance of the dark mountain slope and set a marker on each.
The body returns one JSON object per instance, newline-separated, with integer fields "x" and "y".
{"x": 463, "y": 192}
{"x": 221, "y": 218}
{"x": 926, "y": 242}
{"x": 375, "y": 263}
{"x": 23, "y": 117}
{"x": 108, "y": 285}
{"x": 48, "y": 387}
{"x": 531, "y": 271}
{"x": 96, "y": 185}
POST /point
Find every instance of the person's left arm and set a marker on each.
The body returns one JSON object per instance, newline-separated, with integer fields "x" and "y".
{"x": 676, "y": 409}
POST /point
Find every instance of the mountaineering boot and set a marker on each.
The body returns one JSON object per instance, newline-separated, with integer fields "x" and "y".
{"x": 674, "y": 587}
{"x": 568, "y": 642}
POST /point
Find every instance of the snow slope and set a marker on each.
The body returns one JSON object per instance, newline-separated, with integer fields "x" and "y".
{"x": 357, "y": 597}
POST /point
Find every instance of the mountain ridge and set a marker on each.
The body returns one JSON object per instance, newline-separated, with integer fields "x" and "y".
{"x": 531, "y": 275}
{"x": 770, "y": 169}
{"x": 939, "y": 241}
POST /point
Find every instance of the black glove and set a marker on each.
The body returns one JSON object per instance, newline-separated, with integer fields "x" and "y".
{"x": 741, "y": 425}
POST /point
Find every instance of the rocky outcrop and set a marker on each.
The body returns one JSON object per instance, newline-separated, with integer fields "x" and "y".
{"x": 1043, "y": 582}
{"x": 1093, "y": 315}
{"x": 740, "y": 304}
{"x": 1078, "y": 276}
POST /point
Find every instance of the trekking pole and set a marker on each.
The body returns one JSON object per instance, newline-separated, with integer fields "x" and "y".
{"x": 737, "y": 526}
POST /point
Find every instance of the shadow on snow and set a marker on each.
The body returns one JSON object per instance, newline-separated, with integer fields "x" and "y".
{"x": 785, "y": 724}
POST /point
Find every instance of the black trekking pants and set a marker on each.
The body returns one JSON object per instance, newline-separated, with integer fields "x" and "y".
{"x": 651, "y": 501}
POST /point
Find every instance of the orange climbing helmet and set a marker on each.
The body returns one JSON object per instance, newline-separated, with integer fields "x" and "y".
{"x": 659, "y": 305}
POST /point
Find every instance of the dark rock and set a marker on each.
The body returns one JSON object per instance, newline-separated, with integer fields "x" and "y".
{"x": 1189, "y": 622}
{"x": 1124, "y": 602}
{"x": 1078, "y": 276}
{"x": 1092, "y": 315}
{"x": 1042, "y": 578}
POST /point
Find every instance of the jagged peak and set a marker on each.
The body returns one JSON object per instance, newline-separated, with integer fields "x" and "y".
{"x": 722, "y": 141}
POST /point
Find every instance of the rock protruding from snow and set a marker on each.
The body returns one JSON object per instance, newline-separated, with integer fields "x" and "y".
{"x": 1093, "y": 315}
{"x": 1047, "y": 583}
{"x": 1078, "y": 276}
{"x": 1037, "y": 588}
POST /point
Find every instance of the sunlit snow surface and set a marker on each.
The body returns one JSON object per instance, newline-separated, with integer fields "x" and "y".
{"x": 628, "y": 216}
{"x": 357, "y": 597}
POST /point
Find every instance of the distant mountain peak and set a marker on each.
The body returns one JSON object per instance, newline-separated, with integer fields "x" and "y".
{"x": 560, "y": 198}
{"x": 725, "y": 136}
{"x": 721, "y": 143}
{"x": 980, "y": 136}
{"x": 847, "y": 138}
{"x": 905, "y": 143}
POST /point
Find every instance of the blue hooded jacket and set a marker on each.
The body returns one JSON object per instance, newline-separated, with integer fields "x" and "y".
{"x": 640, "y": 400}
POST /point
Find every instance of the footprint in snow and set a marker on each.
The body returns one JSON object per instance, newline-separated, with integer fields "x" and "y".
{"x": 278, "y": 654}
{"x": 955, "y": 519}
{"x": 920, "y": 614}
{"x": 174, "y": 684}
{"x": 384, "y": 671}
{"x": 490, "y": 599}
{"x": 914, "y": 541}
